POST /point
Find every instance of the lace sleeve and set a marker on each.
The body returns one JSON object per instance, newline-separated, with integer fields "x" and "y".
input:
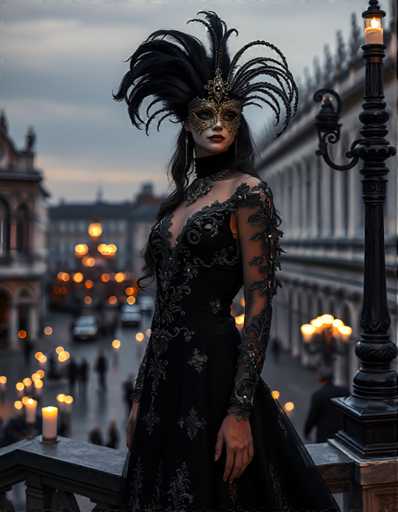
{"x": 259, "y": 235}
{"x": 139, "y": 381}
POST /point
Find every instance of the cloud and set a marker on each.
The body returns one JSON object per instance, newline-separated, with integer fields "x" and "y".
{"x": 60, "y": 60}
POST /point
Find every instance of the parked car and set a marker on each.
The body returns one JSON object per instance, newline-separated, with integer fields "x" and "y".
{"x": 130, "y": 315}
{"x": 85, "y": 327}
{"x": 146, "y": 303}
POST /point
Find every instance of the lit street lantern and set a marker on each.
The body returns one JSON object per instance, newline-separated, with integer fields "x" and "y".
{"x": 327, "y": 336}
{"x": 370, "y": 413}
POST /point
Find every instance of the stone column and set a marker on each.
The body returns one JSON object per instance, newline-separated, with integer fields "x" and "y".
{"x": 305, "y": 221}
{"x": 33, "y": 322}
{"x": 299, "y": 200}
{"x": 13, "y": 327}
{"x": 339, "y": 209}
{"x": 289, "y": 203}
{"x": 326, "y": 197}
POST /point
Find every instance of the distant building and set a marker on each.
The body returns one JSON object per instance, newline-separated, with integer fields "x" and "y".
{"x": 23, "y": 253}
{"x": 322, "y": 210}
{"x": 126, "y": 224}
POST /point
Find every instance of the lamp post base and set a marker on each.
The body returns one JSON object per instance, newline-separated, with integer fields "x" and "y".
{"x": 370, "y": 427}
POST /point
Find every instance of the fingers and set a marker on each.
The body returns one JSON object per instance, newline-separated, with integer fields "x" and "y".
{"x": 246, "y": 459}
{"x": 130, "y": 433}
{"x": 238, "y": 465}
{"x": 241, "y": 461}
{"x": 219, "y": 445}
{"x": 229, "y": 464}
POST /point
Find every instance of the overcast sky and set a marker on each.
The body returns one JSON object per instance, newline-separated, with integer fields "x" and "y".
{"x": 60, "y": 60}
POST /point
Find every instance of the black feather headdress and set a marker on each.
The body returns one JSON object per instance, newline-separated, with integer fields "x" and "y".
{"x": 173, "y": 73}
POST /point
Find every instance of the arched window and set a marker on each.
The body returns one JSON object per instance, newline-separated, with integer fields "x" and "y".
{"x": 4, "y": 228}
{"x": 23, "y": 229}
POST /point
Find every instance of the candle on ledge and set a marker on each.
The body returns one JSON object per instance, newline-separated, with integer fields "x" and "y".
{"x": 49, "y": 423}
{"x": 30, "y": 410}
{"x": 3, "y": 383}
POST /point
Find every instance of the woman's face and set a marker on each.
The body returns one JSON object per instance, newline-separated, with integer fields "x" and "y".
{"x": 213, "y": 126}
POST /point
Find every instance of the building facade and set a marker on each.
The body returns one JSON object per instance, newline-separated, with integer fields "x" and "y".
{"x": 23, "y": 252}
{"x": 126, "y": 224}
{"x": 322, "y": 210}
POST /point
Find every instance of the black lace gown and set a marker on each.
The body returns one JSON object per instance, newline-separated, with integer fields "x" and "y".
{"x": 198, "y": 367}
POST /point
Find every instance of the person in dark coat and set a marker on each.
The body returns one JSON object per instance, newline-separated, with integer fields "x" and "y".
{"x": 95, "y": 436}
{"x": 276, "y": 348}
{"x": 72, "y": 373}
{"x": 14, "y": 430}
{"x": 52, "y": 367}
{"x": 27, "y": 346}
{"x": 83, "y": 372}
{"x": 101, "y": 367}
{"x": 128, "y": 388}
{"x": 113, "y": 435}
{"x": 323, "y": 414}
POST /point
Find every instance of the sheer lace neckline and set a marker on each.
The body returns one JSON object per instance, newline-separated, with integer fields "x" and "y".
{"x": 173, "y": 245}
{"x": 208, "y": 165}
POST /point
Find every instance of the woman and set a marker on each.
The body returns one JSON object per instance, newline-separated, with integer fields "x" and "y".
{"x": 204, "y": 432}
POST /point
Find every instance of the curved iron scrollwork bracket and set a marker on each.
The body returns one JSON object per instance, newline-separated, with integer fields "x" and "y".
{"x": 328, "y": 127}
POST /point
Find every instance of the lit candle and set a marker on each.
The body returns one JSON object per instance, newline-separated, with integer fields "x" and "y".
{"x": 30, "y": 410}
{"x": 68, "y": 401}
{"x": 373, "y": 31}
{"x": 38, "y": 384}
{"x": 49, "y": 423}
{"x": 3, "y": 382}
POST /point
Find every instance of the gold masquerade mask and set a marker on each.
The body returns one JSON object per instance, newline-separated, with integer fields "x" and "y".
{"x": 205, "y": 112}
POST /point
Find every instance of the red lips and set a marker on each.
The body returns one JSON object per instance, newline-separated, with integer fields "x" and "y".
{"x": 217, "y": 138}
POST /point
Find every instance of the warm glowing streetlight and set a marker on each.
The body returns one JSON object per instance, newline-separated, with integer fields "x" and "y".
{"x": 95, "y": 230}
{"x": 373, "y": 29}
{"x": 81, "y": 250}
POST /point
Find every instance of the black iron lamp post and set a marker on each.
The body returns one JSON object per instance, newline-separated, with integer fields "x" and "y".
{"x": 371, "y": 413}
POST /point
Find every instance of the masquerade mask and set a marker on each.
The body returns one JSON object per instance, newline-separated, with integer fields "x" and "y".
{"x": 204, "y": 114}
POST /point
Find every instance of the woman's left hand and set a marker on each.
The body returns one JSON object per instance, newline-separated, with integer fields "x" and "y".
{"x": 237, "y": 435}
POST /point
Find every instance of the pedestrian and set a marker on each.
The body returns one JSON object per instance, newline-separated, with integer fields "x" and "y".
{"x": 95, "y": 436}
{"x": 128, "y": 390}
{"x": 83, "y": 372}
{"x": 52, "y": 367}
{"x": 72, "y": 373}
{"x": 101, "y": 367}
{"x": 27, "y": 346}
{"x": 113, "y": 435}
{"x": 14, "y": 430}
{"x": 276, "y": 348}
{"x": 323, "y": 414}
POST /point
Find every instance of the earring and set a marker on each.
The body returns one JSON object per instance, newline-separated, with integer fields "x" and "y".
{"x": 186, "y": 148}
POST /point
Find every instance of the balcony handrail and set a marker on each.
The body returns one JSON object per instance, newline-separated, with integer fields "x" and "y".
{"x": 72, "y": 466}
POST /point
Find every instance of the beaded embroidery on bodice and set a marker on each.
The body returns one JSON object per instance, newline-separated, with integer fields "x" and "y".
{"x": 220, "y": 193}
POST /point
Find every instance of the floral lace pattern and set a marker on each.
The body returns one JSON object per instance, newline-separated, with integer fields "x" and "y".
{"x": 193, "y": 341}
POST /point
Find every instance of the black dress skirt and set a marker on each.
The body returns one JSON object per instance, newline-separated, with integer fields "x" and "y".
{"x": 199, "y": 367}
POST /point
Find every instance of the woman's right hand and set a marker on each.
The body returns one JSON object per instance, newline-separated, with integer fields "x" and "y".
{"x": 131, "y": 422}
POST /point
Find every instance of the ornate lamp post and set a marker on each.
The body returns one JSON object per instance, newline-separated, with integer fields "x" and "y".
{"x": 371, "y": 412}
{"x": 327, "y": 336}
